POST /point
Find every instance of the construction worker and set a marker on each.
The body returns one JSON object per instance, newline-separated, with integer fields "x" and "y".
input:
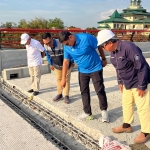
{"x": 54, "y": 53}
{"x": 133, "y": 75}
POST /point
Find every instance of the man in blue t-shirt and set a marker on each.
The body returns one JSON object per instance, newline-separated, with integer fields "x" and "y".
{"x": 82, "y": 48}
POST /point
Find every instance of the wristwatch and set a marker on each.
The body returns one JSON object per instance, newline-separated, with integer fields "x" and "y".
{"x": 103, "y": 58}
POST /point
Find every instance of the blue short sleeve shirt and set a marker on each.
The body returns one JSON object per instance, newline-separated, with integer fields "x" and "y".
{"x": 84, "y": 53}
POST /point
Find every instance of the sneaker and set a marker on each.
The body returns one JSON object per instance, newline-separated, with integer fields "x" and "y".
{"x": 67, "y": 99}
{"x": 141, "y": 138}
{"x": 120, "y": 129}
{"x": 85, "y": 116}
{"x": 57, "y": 98}
{"x": 35, "y": 93}
{"x": 31, "y": 90}
{"x": 105, "y": 117}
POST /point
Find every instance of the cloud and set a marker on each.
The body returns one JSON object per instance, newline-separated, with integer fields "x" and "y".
{"x": 105, "y": 14}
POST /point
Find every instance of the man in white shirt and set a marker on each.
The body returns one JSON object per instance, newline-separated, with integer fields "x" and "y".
{"x": 35, "y": 53}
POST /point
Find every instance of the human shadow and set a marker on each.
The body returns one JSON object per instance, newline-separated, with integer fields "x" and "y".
{"x": 110, "y": 78}
{"x": 115, "y": 114}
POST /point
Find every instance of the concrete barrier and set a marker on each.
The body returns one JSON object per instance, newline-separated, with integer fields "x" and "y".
{"x": 22, "y": 72}
{"x": 12, "y": 58}
{"x": 18, "y": 57}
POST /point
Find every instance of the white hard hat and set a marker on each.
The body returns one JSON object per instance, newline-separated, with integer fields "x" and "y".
{"x": 104, "y": 35}
{"x": 24, "y": 38}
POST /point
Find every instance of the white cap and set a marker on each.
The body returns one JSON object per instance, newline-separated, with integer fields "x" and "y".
{"x": 24, "y": 38}
{"x": 104, "y": 35}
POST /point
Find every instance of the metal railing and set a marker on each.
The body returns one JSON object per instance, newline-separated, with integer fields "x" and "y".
{"x": 11, "y": 37}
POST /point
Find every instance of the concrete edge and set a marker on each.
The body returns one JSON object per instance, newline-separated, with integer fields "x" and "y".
{"x": 42, "y": 121}
{"x": 95, "y": 134}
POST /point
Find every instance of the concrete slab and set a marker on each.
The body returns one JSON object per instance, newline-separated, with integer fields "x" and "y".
{"x": 94, "y": 128}
{"x": 22, "y": 72}
{"x": 27, "y": 137}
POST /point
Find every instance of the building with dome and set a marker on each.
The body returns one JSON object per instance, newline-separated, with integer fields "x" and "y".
{"x": 133, "y": 17}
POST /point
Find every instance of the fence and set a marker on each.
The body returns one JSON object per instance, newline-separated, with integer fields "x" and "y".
{"x": 10, "y": 38}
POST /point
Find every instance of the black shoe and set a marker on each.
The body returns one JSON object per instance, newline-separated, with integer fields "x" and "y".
{"x": 30, "y": 91}
{"x": 67, "y": 99}
{"x": 35, "y": 93}
{"x": 57, "y": 98}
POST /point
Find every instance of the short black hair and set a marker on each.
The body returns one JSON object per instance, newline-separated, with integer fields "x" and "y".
{"x": 113, "y": 40}
{"x": 64, "y": 35}
{"x": 46, "y": 35}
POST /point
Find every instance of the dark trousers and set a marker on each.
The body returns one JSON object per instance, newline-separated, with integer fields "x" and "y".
{"x": 97, "y": 78}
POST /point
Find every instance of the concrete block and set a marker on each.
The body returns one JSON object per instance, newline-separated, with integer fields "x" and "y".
{"x": 53, "y": 72}
{"x": 22, "y": 72}
{"x": 45, "y": 62}
{"x": 45, "y": 58}
{"x": 12, "y": 58}
{"x": 25, "y": 72}
{"x": 146, "y": 54}
{"x": 45, "y": 69}
{"x": 12, "y": 73}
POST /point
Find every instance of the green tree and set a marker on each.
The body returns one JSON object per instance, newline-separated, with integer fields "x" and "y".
{"x": 92, "y": 28}
{"x": 38, "y": 23}
{"x": 8, "y": 25}
{"x": 72, "y": 27}
{"x": 56, "y": 23}
{"x": 23, "y": 24}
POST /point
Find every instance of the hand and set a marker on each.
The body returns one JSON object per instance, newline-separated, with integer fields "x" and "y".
{"x": 63, "y": 83}
{"x": 52, "y": 68}
{"x": 120, "y": 87}
{"x": 104, "y": 62}
{"x": 141, "y": 92}
{"x": 73, "y": 64}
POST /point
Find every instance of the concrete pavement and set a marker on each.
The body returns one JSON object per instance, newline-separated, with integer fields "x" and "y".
{"x": 17, "y": 134}
{"x": 94, "y": 128}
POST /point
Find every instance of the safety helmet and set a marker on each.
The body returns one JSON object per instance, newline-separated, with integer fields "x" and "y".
{"x": 104, "y": 35}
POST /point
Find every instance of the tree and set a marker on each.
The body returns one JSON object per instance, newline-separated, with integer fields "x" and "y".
{"x": 92, "y": 28}
{"x": 72, "y": 27}
{"x": 38, "y": 23}
{"x": 56, "y": 23}
{"x": 23, "y": 24}
{"x": 8, "y": 25}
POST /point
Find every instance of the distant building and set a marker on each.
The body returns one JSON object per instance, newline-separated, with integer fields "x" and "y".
{"x": 133, "y": 17}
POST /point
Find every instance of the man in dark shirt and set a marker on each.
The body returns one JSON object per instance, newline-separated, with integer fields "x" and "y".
{"x": 133, "y": 75}
{"x": 54, "y": 53}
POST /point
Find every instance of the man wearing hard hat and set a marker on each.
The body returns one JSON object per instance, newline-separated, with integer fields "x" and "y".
{"x": 133, "y": 75}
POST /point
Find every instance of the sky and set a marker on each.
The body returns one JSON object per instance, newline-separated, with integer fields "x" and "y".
{"x": 78, "y": 13}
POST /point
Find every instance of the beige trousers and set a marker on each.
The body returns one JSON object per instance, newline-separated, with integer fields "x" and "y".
{"x": 143, "y": 107}
{"x": 59, "y": 77}
{"x": 35, "y": 74}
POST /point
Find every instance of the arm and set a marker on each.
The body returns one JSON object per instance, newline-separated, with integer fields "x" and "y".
{"x": 93, "y": 43}
{"x": 43, "y": 54}
{"x": 119, "y": 78}
{"x": 72, "y": 62}
{"x": 140, "y": 64}
{"x": 102, "y": 54}
{"x": 120, "y": 83}
{"x": 49, "y": 58}
{"x": 41, "y": 49}
{"x": 64, "y": 72}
